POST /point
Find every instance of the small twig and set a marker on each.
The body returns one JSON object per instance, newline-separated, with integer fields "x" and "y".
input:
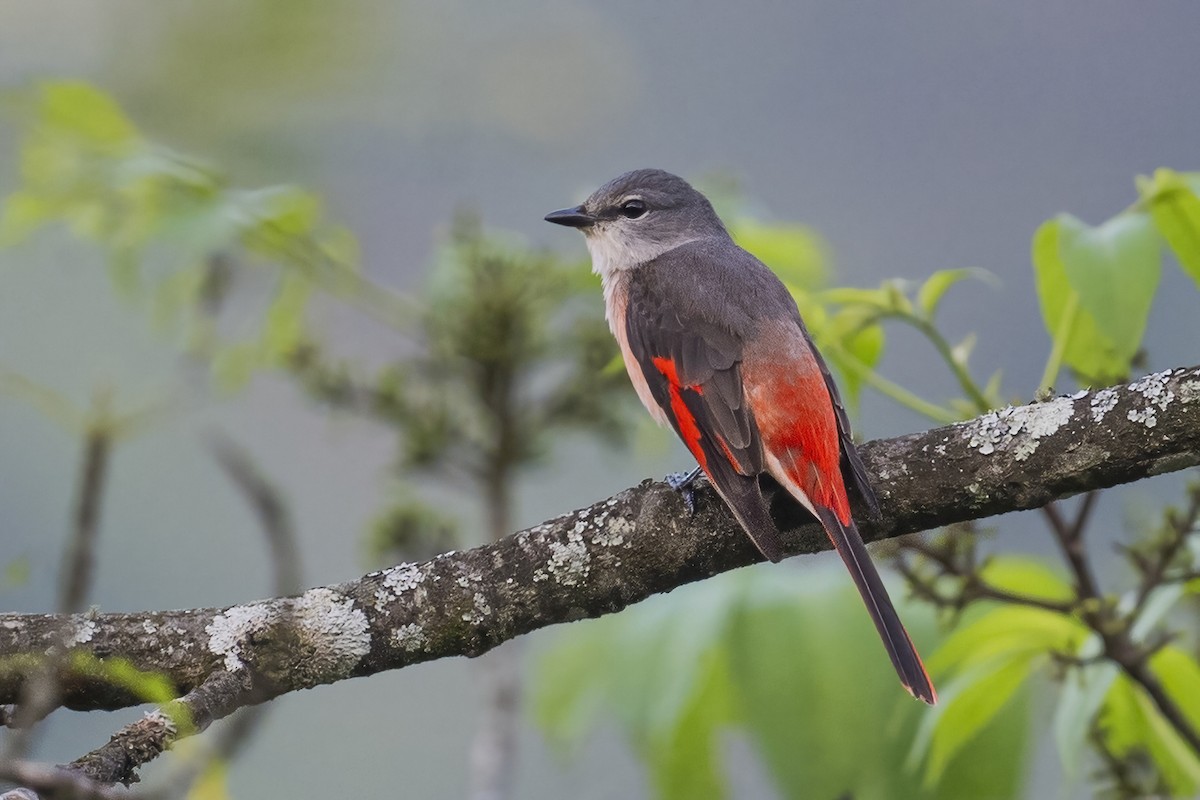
{"x": 1118, "y": 646}
{"x": 140, "y": 742}
{"x": 1070, "y": 540}
{"x": 973, "y": 586}
{"x": 79, "y": 559}
{"x": 270, "y": 509}
{"x": 1154, "y": 573}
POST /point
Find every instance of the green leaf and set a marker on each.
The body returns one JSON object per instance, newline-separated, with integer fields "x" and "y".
{"x": 802, "y": 657}
{"x": 1026, "y": 576}
{"x": 1160, "y": 600}
{"x": 880, "y": 299}
{"x": 929, "y": 296}
{"x": 859, "y": 335}
{"x": 289, "y": 210}
{"x": 1175, "y": 209}
{"x": 1083, "y": 692}
{"x": 1180, "y": 676}
{"x": 78, "y": 109}
{"x": 571, "y": 682}
{"x": 685, "y": 762}
{"x": 1088, "y": 350}
{"x": 233, "y": 366}
{"x": 24, "y": 212}
{"x": 966, "y": 705}
{"x": 284, "y": 328}
{"x": 992, "y": 763}
{"x": 1115, "y": 269}
{"x": 1131, "y": 723}
{"x": 1007, "y": 631}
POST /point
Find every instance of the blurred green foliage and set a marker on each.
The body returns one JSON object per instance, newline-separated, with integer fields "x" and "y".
{"x": 794, "y": 665}
{"x": 172, "y": 227}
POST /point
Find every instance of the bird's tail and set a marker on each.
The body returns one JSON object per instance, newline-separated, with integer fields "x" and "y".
{"x": 895, "y": 638}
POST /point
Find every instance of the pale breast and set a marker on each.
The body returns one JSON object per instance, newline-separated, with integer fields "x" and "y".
{"x": 616, "y": 301}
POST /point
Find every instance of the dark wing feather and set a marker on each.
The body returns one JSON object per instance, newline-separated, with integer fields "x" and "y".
{"x": 706, "y": 363}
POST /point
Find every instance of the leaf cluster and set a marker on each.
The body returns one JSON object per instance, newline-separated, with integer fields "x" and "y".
{"x": 740, "y": 655}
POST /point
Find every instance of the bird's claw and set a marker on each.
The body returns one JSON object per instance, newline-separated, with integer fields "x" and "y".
{"x": 682, "y": 483}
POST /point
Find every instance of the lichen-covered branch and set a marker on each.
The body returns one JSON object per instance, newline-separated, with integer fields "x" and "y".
{"x": 619, "y": 551}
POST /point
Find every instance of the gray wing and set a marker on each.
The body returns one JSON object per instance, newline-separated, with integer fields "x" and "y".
{"x": 693, "y": 369}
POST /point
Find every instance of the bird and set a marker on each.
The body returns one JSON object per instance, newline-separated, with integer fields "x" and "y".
{"x": 716, "y": 349}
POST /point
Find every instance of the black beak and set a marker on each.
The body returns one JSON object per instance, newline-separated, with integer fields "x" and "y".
{"x": 571, "y": 217}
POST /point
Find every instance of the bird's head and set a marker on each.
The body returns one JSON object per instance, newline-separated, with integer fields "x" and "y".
{"x": 637, "y": 217}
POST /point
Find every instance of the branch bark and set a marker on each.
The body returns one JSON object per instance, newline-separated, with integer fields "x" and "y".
{"x": 600, "y": 559}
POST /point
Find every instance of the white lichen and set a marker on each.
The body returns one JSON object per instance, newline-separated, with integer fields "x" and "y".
{"x": 85, "y": 629}
{"x": 403, "y": 577}
{"x": 1103, "y": 402}
{"x": 396, "y": 581}
{"x": 479, "y": 610}
{"x": 1020, "y": 428}
{"x": 1155, "y": 390}
{"x": 229, "y": 629}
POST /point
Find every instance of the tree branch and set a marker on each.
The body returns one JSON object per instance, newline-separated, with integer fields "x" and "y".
{"x": 616, "y": 552}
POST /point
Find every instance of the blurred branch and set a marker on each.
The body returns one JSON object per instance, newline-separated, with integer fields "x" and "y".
{"x": 79, "y": 559}
{"x": 1114, "y": 629}
{"x": 271, "y": 510}
{"x": 239, "y": 691}
{"x": 39, "y": 694}
{"x": 617, "y": 552}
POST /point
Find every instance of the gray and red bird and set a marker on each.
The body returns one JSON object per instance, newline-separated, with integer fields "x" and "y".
{"x": 716, "y": 349}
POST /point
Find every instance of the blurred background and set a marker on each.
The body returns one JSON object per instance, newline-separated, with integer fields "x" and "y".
{"x": 913, "y": 137}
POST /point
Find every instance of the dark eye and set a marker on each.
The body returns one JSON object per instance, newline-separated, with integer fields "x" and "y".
{"x": 632, "y": 209}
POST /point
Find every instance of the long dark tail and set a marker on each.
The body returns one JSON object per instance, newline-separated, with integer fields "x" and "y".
{"x": 895, "y": 638}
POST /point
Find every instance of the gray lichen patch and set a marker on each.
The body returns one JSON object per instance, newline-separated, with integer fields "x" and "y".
{"x": 228, "y": 631}
{"x": 612, "y": 532}
{"x": 1020, "y": 428}
{"x": 334, "y": 634}
{"x": 410, "y": 637}
{"x": 569, "y": 561}
{"x": 1189, "y": 391}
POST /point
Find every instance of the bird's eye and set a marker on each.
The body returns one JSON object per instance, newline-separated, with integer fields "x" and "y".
{"x": 632, "y": 209}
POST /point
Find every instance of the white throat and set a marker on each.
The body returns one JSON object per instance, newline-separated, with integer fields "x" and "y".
{"x": 613, "y": 250}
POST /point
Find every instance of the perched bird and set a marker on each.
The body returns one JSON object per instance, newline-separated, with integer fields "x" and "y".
{"x": 716, "y": 349}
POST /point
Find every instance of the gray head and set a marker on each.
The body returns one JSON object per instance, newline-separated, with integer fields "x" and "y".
{"x": 639, "y": 216}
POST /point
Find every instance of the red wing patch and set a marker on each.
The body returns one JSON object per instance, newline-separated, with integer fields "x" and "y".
{"x": 689, "y": 431}
{"x": 796, "y": 419}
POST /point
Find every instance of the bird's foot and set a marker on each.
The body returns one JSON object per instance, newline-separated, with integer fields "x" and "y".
{"x": 682, "y": 483}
